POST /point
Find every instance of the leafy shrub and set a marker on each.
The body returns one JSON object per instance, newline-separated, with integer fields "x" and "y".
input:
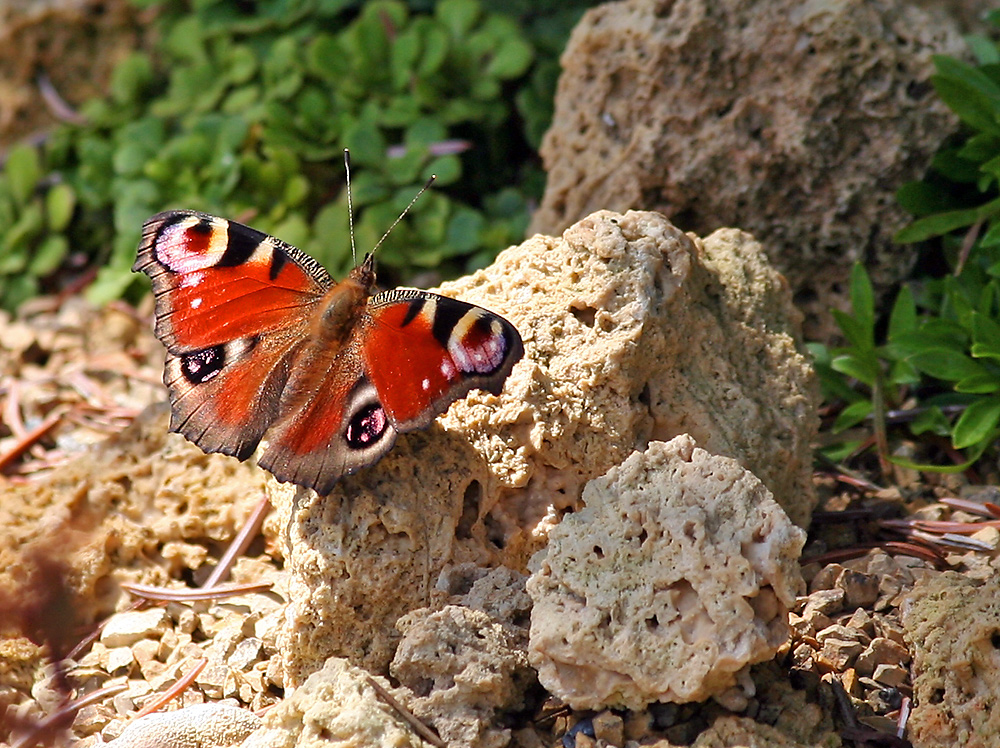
{"x": 246, "y": 115}
{"x": 940, "y": 354}
{"x": 33, "y": 242}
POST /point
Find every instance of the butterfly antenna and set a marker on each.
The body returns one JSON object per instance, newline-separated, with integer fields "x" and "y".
{"x": 405, "y": 211}
{"x": 350, "y": 205}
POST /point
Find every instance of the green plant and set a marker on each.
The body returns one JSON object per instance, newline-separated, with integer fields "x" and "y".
{"x": 33, "y": 220}
{"x": 246, "y": 115}
{"x": 940, "y": 353}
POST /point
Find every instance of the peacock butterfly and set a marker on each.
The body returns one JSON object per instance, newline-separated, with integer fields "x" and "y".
{"x": 262, "y": 343}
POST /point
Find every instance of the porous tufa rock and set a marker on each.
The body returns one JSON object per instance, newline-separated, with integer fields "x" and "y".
{"x": 951, "y": 623}
{"x": 633, "y": 331}
{"x": 463, "y": 667}
{"x": 795, "y": 121}
{"x": 337, "y": 705}
{"x": 677, "y": 574}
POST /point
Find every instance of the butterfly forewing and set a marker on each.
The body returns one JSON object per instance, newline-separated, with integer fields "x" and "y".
{"x": 232, "y": 306}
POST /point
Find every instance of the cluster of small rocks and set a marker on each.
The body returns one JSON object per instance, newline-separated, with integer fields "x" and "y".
{"x": 150, "y": 650}
{"x": 848, "y": 628}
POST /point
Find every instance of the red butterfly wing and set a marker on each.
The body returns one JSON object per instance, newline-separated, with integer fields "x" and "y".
{"x": 422, "y": 352}
{"x": 232, "y": 307}
{"x": 411, "y": 354}
{"x": 336, "y": 427}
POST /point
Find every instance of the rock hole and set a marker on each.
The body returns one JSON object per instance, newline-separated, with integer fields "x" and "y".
{"x": 938, "y": 696}
{"x": 422, "y": 686}
{"x": 645, "y": 397}
{"x": 470, "y": 510}
{"x": 494, "y": 531}
{"x": 584, "y": 313}
{"x": 995, "y": 640}
{"x": 598, "y": 551}
{"x": 652, "y": 623}
{"x": 643, "y": 536}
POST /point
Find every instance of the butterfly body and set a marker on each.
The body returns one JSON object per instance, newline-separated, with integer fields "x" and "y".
{"x": 261, "y": 343}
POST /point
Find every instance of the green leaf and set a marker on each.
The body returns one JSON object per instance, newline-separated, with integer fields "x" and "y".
{"x": 860, "y": 336}
{"x": 49, "y": 256}
{"x": 864, "y": 369}
{"x": 991, "y": 238}
{"x": 130, "y": 78}
{"x": 863, "y": 298}
{"x": 922, "y": 199}
{"x": 463, "y": 231}
{"x": 25, "y": 230}
{"x": 947, "y": 364}
{"x": 458, "y": 16}
{"x": 511, "y": 60}
{"x": 903, "y": 372}
{"x": 903, "y": 318}
{"x": 110, "y": 284}
{"x": 985, "y": 337}
{"x": 23, "y": 170}
{"x": 852, "y": 415}
{"x": 968, "y": 92}
{"x": 978, "y": 423}
{"x": 983, "y": 48}
{"x": 983, "y": 384}
{"x": 944, "y": 223}
{"x": 931, "y": 420}
{"x": 15, "y": 290}
{"x": 59, "y": 204}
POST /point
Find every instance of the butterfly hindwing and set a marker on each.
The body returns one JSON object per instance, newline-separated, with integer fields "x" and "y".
{"x": 229, "y": 303}
{"x": 422, "y": 352}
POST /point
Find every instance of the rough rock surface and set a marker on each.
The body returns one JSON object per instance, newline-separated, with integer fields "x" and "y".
{"x": 795, "y": 121}
{"x": 140, "y": 507}
{"x": 633, "y": 331}
{"x": 727, "y": 732}
{"x": 463, "y": 666}
{"x": 951, "y": 622}
{"x": 335, "y": 706}
{"x": 677, "y": 574}
{"x": 209, "y": 725}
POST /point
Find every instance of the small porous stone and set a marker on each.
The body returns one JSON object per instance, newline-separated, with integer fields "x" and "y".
{"x": 245, "y": 653}
{"x": 843, "y": 633}
{"x": 647, "y": 593}
{"x": 336, "y": 706}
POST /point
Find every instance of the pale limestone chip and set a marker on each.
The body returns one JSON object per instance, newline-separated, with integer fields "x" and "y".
{"x": 677, "y": 574}
{"x": 202, "y": 726}
{"x": 126, "y": 628}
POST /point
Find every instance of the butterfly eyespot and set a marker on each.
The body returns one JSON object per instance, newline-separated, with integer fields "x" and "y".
{"x": 200, "y": 366}
{"x": 366, "y": 426}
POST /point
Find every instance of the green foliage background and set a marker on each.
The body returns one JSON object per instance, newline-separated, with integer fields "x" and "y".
{"x": 935, "y": 357}
{"x": 243, "y": 109}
